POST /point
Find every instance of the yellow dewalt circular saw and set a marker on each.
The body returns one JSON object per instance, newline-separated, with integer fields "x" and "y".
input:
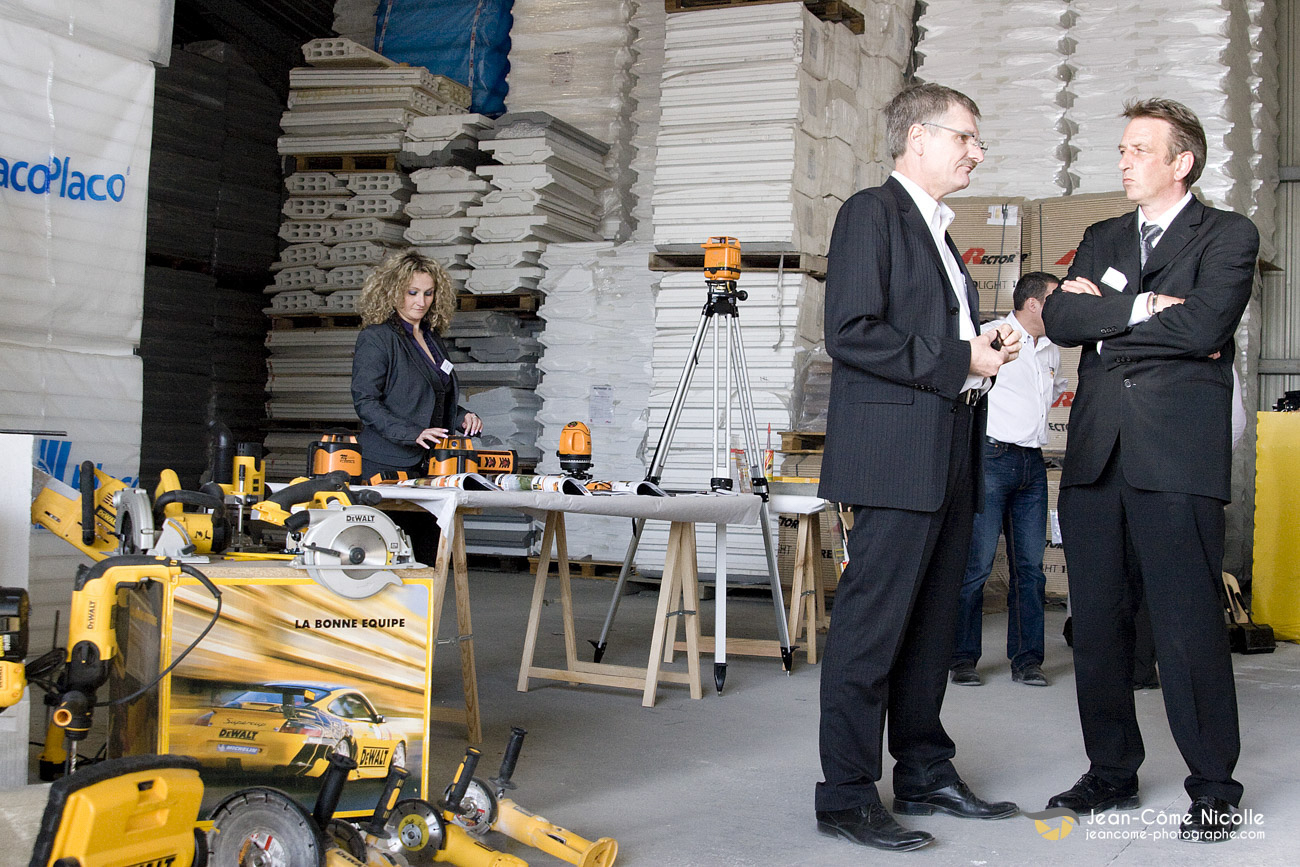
{"x": 337, "y": 536}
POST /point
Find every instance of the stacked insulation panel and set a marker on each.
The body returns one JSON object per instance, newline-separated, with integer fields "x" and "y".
{"x": 1199, "y": 54}
{"x": 649, "y": 23}
{"x": 339, "y": 225}
{"x": 597, "y": 371}
{"x": 1019, "y": 78}
{"x": 351, "y": 104}
{"x": 761, "y": 135}
{"x": 573, "y": 59}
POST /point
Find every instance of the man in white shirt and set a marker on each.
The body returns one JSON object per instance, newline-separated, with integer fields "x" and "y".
{"x": 1015, "y": 493}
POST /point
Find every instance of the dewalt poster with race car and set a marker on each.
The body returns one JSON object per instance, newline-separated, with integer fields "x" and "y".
{"x": 290, "y": 673}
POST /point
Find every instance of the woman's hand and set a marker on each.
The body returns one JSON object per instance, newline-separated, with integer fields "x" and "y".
{"x": 430, "y": 436}
{"x": 473, "y": 425}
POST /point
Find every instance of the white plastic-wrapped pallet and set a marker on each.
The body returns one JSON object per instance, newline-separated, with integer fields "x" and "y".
{"x": 1018, "y": 77}
{"x": 1120, "y": 54}
{"x": 769, "y": 321}
{"x": 573, "y": 59}
{"x": 751, "y": 138}
{"x": 598, "y": 348}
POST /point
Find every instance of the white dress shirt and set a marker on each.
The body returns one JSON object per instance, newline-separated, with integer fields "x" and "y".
{"x": 1025, "y": 389}
{"x": 1139, "y": 313}
{"x": 938, "y": 217}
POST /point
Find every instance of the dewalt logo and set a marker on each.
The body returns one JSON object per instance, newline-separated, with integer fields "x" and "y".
{"x": 373, "y": 757}
{"x": 165, "y": 861}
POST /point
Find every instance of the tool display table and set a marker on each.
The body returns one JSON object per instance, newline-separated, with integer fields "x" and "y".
{"x": 679, "y": 582}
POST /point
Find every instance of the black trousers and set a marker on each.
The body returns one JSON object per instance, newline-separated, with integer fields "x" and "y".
{"x": 1178, "y": 542}
{"x": 421, "y": 527}
{"x": 893, "y": 629}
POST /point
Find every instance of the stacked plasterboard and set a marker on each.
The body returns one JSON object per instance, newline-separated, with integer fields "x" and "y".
{"x": 352, "y": 100}
{"x": 1020, "y": 80}
{"x": 438, "y": 225}
{"x": 761, "y": 136}
{"x": 497, "y": 351}
{"x": 547, "y": 189}
{"x": 599, "y": 303}
{"x": 574, "y": 60}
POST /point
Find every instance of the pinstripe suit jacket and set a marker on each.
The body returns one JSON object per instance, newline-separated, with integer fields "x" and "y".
{"x": 898, "y": 360}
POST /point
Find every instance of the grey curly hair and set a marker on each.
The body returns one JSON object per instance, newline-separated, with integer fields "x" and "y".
{"x": 382, "y": 293}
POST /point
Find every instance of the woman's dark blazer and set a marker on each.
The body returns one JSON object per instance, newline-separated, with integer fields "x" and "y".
{"x": 395, "y": 392}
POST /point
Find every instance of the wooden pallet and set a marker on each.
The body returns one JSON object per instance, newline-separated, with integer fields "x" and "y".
{"x": 588, "y": 568}
{"x": 802, "y": 442}
{"x": 497, "y": 562}
{"x": 672, "y": 259}
{"x": 520, "y": 302}
{"x": 827, "y": 10}
{"x": 289, "y": 321}
{"x": 346, "y": 162}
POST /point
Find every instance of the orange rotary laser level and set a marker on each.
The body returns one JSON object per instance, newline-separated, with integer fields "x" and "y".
{"x": 453, "y": 455}
{"x": 337, "y": 449}
{"x": 721, "y": 259}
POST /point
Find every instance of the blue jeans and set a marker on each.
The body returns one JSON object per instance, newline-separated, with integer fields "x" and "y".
{"x": 1015, "y": 503}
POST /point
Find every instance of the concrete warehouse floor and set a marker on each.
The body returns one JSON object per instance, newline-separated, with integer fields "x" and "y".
{"x": 728, "y": 780}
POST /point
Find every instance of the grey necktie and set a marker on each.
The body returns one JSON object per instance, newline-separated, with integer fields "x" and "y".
{"x": 1151, "y": 233}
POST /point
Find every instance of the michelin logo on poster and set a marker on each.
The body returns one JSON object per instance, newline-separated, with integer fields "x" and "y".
{"x": 57, "y": 178}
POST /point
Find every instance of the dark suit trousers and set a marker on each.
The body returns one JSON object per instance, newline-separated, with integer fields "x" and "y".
{"x": 893, "y": 628}
{"x": 1178, "y": 541}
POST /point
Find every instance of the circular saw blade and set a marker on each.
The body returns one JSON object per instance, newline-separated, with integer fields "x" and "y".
{"x": 263, "y": 828}
{"x": 416, "y": 830}
{"x": 349, "y": 550}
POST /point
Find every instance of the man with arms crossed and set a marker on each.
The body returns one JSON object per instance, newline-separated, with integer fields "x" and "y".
{"x": 903, "y": 447}
{"x": 1153, "y": 297}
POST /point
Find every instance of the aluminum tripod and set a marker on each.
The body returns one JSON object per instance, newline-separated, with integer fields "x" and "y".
{"x": 722, "y": 312}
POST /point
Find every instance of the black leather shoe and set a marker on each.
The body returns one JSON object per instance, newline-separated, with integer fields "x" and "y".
{"x": 957, "y": 800}
{"x": 964, "y": 674}
{"x": 872, "y": 826}
{"x": 1030, "y": 675}
{"x": 1092, "y": 794}
{"x": 1209, "y": 820}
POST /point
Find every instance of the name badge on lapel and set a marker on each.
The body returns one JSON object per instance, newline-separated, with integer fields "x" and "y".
{"x": 1114, "y": 279}
{"x": 447, "y": 366}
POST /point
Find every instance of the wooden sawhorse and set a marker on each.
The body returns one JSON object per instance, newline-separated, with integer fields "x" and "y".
{"x": 679, "y": 584}
{"x": 807, "y": 612}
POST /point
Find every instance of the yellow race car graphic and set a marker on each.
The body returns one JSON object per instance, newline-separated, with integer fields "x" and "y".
{"x": 291, "y": 728}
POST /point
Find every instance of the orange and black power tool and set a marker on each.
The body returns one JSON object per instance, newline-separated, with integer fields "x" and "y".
{"x": 337, "y": 449}
{"x": 453, "y": 455}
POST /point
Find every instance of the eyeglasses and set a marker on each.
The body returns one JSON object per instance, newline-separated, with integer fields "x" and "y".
{"x": 966, "y": 138}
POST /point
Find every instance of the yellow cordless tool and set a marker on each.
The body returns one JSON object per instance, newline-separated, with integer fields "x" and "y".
{"x": 478, "y": 809}
{"x": 73, "y": 677}
{"x": 104, "y": 516}
{"x": 138, "y": 810}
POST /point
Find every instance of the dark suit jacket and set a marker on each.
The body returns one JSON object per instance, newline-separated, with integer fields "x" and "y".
{"x": 395, "y": 392}
{"x": 898, "y": 362}
{"x": 1154, "y": 387}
